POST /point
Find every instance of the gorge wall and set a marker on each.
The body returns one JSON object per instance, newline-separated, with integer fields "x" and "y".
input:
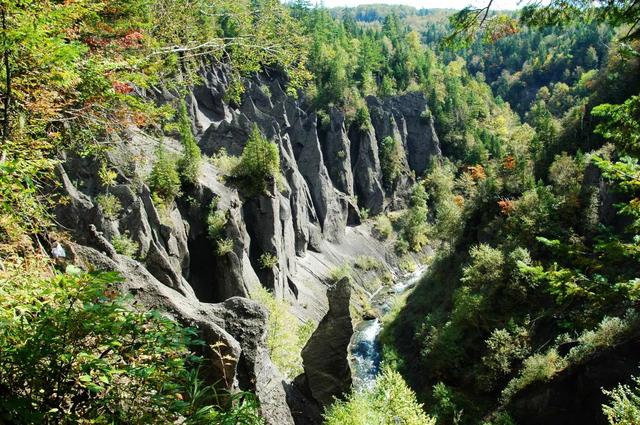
{"x": 331, "y": 171}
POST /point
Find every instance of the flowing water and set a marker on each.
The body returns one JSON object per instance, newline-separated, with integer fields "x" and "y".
{"x": 365, "y": 347}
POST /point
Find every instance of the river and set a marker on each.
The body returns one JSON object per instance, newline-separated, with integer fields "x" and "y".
{"x": 365, "y": 349}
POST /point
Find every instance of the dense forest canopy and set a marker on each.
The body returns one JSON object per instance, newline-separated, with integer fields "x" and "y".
{"x": 533, "y": 208}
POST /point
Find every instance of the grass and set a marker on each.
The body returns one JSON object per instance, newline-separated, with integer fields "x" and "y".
{"x": 286, "y": 334}
{"x": 367, "y": 263}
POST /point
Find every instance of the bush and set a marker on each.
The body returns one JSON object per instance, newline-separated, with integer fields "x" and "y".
{"x": 366, "y": 263}
{"x": 609, "y": 332}
{"x": 382, "y": 228}
{"x": 225, "y": 163}
{"x": 362, "y": 118}
{"x": 124, "y": 245}
{"x": 268, "y": 260}
{"x": 164, "y": 180}
{"x": 407, "y": 265}
{"x": 109, "y": 205}
{"x": 401, "y": 247}
{"x": 216, "y": 222}
{"x": 538, "y": 367}
{"x": 504, "y": 347}
{"x": 389, "y": 401}
{"x": 390, "y": 161}
{"x": 77, "y": 354}
{"x": 486, "y": 267}
{"x": 189, "y": 164}
{"x": 286, "y": 334}
{"x": 224, "y": 246}
{"x": 413, "y": 223}
{"x": 623, "y": 407}
{"x": 259, "y": 162}
{"x": 338, "y": 273}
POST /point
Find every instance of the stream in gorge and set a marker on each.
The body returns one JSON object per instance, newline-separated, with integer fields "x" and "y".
{"x": 365, "y": 350}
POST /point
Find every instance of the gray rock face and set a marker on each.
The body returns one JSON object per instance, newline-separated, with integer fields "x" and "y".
{"x": 304, "y": 222}
{"x": 414, "y": 125}
{"x": 246, "y": 321}
{"x": 336, "y": 149}
{"x": 367, "y": 172}
{"x": 325, "y": 355}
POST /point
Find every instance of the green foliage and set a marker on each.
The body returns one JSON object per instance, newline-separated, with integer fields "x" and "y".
{"x": 485, "y": 267}
{"x": 367, "y": 263}
{"x": 338, "y": 273}
{"x": 124, "y": 245}
{"x": 623, "y": 407}
{"x": 286, "y": 335}
{"x": 504, "y": 347}
{"x": 72, "y": 350}
{"x": 164, "y": 180}
{"x": 390, "y": 161}
{"x": 190, "y": 162}
{"x": 389, "y": 401}
{"x": 109, "y": 205}
{"x": 413, "y": 223}
{"x": 382, "y": 228}
{"x": 227, "y": 164}
{"x": 216, "y": 224}
{"x": 224, "y": 246}
{"x": 267, "y": 260}
{"x": 538, "y": 367}
{"x": 260, "y": 162}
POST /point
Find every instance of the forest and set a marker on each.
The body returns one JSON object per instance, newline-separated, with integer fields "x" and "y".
{"x": 526, "y": 219}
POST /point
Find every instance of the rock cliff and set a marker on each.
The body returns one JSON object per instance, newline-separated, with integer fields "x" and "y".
{"x": 331, "y": 170}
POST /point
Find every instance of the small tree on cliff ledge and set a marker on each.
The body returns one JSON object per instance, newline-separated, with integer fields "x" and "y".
{"x": 260, "y": 161}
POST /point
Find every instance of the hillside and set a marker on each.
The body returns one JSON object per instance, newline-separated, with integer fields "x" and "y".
{"x": 265, "y": 213}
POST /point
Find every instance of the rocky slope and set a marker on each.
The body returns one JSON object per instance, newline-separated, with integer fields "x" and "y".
{"x": 331, "y": 170}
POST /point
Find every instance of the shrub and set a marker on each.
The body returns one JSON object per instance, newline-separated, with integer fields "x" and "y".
{"x": 259, "y": 162}
{"x": 538, "y": 367}
{"x": 286, "y": 335}
{"x": 362, "y": 118}
{"x": 78, "y": 354}
{"x": 623, "y": 407}
{"x": 124, "y": 245}
{"x": 225, "y": 163}
{"x": 390, "y": 161}
{"x": 164, "y": 180}
{"x": 189, "y": 164}
{"x": 216, "y": 222}
{"x": 401, "y": 247}
{"x": 364, "y": 214}
{"x": 109, "y": 205}
{"x": 389, "y": 401}
{"x": 382, "y": 228}
{"x": 268, "y": 260}
{"x": 486, "y": 266}
{"x": 503, "y": 348}
{"x": 366, "y": 263}
{"x": 407, "y": 265}
{"x": 608, "y": 333}
{"x": 413, "y": 222}
{"x": 224, "y": 246}
{"x": 338, "y": 273}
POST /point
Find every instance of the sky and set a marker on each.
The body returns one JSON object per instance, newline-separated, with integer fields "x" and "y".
{"x": 430, "y": 4}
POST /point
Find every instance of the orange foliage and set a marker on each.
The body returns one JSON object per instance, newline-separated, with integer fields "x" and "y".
{"x": 131, "y": 40}
{"x": 458, "y": 200}
{"x": 509, "y": 163}
{"x": 506, "y": 206}
{"x": 122, "y": 88}
{"x": 477, "y": 172}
